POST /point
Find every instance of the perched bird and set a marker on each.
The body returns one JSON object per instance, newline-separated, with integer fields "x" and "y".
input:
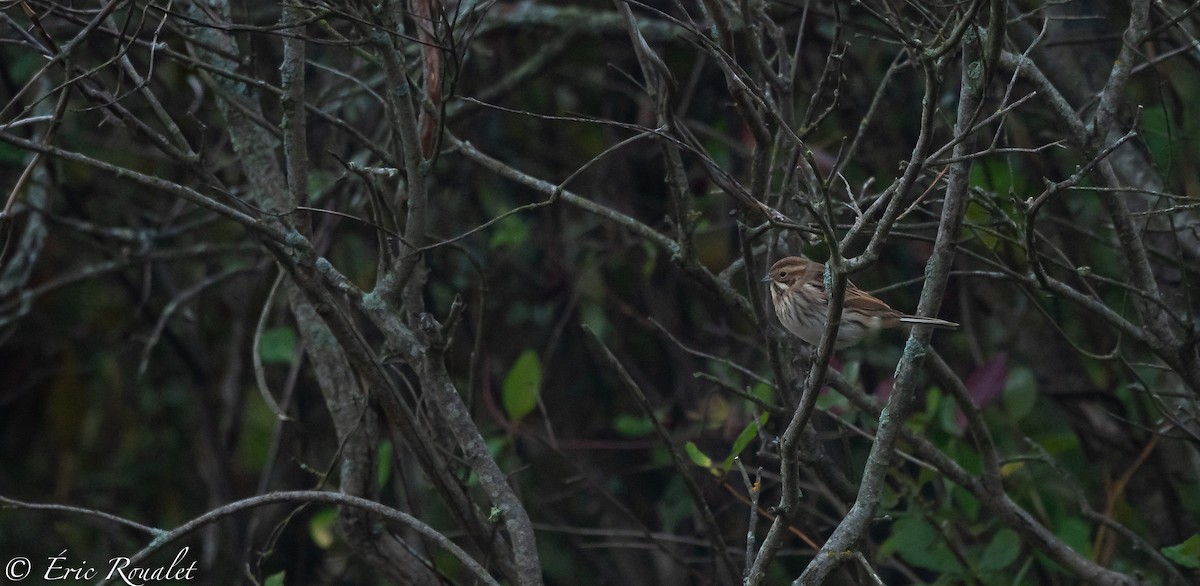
{"x": 801, "y": 302}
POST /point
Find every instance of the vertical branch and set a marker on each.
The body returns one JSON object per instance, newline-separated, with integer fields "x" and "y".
{"x": 412, "y": 192}
{"x": 293, "y": 123}
{"x": 16, "y": 267}
{"x": 317, "y": 282}
{"x": 1133, "y": 250}
{"x": 492, "y": 479}
{"x": 358, "y": 429}
{"x": 912, "y": 170}
{"x": 658, "y": 81}
{"x": 404, "y": 278}
{"x": 359, "y": 435}
{"x": 238, "y": 103}
{"x": 1139, "y": 23}
{"x": 1183, "y": 356}
{"x": 792, "y": 438}
{"x": 431, "y": 64}
{"x": 891, "y": 419}
{"x": 761, "y": 319}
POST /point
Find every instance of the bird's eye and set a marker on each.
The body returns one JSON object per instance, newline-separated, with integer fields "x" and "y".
{"x": 782, "y": 274}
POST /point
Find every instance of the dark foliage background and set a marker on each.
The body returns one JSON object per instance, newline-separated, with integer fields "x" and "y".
{"x": 452, "y": 242}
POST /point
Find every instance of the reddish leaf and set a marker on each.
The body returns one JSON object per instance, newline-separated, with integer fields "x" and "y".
{"x": 986, "y": 383}
{"x": 883, "y": 390}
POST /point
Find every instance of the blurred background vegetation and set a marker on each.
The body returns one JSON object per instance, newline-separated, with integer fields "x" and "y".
{"x": 129, "y": 317}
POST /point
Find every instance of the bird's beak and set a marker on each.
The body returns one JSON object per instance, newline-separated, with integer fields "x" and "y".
{"x": 766, "y": 279}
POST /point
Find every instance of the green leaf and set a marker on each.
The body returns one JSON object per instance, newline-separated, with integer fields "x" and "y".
{"x": 998, "y": 176}
{"x": 888, "y": 500}
{"x": 1020, "y": 392}
{"x": 1076, "y": 533}
{"x": 947, "y": 417}
{"x": 1186, "y": 554}
{"x": 651, "y": 259}
{"x": 675, "y": 506}
{"x": 522, "y": 386}
{"x": 835, "y": 402}
{"x": 978, "y": 215}
{"x": 1001, "y": 552}
{"x": 743, "y": 439}
{"x": 1057, "y": 444}
{"x": 632, "y": 425}
{"x": 965, "y": 502}
{"x": 915, "y": 540}
{"x": 511, "y": 231}
{"x": 384, "y": 469}
{"x": 850, "y": 371}
{"x": 919, "y": 421}
{"x": 10, "y": 155}
{"x": 660, "y": 456}
{"x": 496, "y": 444}
{"x": 274, "y": 579}
{"x": 1156, "y": 130}
{"x": 258, "y": 428}
{"x": 764, "y": 392}
{"x": 908, "y": 533}
{"x": 277, "y": 345}
{"x": 321, "y": 527}
{"x": 595, "y": 317}
{"x": 697, "y": 456}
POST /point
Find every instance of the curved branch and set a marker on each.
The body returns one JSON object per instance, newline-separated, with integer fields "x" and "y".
{"x": 314, "y": 496}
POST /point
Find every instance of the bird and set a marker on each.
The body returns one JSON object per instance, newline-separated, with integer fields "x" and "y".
{"x": 801, "y": 303}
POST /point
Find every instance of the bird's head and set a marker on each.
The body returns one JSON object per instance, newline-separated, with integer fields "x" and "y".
{"x": 791, "y": 270}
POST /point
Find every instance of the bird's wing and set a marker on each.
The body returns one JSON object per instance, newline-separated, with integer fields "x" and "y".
{"x": 858, "y": 299}
{"x": 855, "y": 298}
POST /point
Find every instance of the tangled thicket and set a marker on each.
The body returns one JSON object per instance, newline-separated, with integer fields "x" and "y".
{"x": 416, "y": 292}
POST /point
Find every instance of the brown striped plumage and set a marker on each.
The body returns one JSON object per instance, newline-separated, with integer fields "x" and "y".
{"x": 801, "y": 302}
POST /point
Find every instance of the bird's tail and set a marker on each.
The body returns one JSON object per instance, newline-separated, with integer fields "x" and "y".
{"x": 928, "y": 321}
